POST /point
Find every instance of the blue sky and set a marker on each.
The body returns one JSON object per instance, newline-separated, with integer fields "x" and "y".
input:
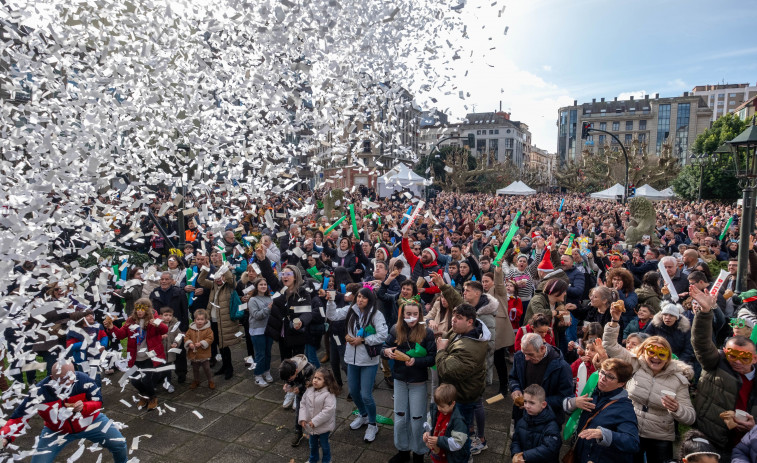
{"x": 557, "y": 51}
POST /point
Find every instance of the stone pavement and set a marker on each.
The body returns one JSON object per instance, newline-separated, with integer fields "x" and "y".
{"x": 243, "y": 422}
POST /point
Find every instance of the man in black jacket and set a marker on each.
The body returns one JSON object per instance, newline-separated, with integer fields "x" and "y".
{"x": 169, "y": 295}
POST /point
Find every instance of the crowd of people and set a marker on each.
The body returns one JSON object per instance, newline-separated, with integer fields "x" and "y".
{"x": 607, "y": 349}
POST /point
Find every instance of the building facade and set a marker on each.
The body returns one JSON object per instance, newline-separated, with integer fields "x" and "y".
{"x": 725, "y": 98}
{"x": 652, "y": 122}
{"x": 746, "y": 110}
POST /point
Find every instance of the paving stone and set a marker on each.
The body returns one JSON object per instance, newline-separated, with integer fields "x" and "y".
{"x": 164, "y": 439}
{"x": 227, "y": 428}
{"x": 224, "y": 402}
{"x": 237, "y": 454}
{"x": 263, "y": 436}
{"x": 254, "y": 409}
{"x": 200, "y": 448}
{"x": 168, "y": 416}
{"x": 190, "y": 421}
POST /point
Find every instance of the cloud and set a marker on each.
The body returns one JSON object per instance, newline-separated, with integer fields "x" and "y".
{"x": 547, "y": 67}
{"x": 635, "y": 94}
{"x": 678, "y": 83}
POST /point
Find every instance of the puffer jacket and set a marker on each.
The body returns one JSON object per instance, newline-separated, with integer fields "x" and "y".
{"x": 678, "y": 335}
{"x": 537, "y": 437}
{"x": 540, "y": 304}
{"x": 201, "y": 338}
{"x": 462, "y": 362}
{"x": 557, "y": 381}
{"x": 644, "y": 390}
{"x": 505, "y": 334}
{"x": 718, "y": 387}
{"x": 319, "y": 406}
{"x": 418, "y": 372}
{"x": 219, "y": 299}
{"x": 746, "y": 450}
{"x": 358, "y": 356}
{"x": 455, "y": 437}
{"x": 283, "y": 312}
{"x": 648, "y": 296}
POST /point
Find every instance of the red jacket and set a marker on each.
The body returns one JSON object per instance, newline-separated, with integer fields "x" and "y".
{"x": 154, "y": 339}
{"x": 413, "y": 260}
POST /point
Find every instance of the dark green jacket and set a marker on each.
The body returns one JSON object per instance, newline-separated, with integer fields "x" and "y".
{"x": 463, "y": 362}
{"x": 719, "y": 385}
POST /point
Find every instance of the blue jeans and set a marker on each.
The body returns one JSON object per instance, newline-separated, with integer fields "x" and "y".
{"x": 312, "y": 354}
{"x": 361, "y": 381}
{"x": 52, "y": 443}
{"x": 321, "y": 440}
{"x": 262, "y": 346}
{"x": 409, "y": 416}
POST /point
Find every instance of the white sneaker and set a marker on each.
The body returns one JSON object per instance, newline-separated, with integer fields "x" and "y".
{"x": 288, "y": 400}
{"x": 249, "y": 360}
{"x": 260, "y": 381}
{"x": 294, "y": 403}
{"x": 168, "y": 386}
{"x": 370, "y": 433}
{"x": 268, "y": 377}
{"x": 359, "y": 422}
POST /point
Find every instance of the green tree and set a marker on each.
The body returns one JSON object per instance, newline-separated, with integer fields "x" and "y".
{"x": 719, "y": 181}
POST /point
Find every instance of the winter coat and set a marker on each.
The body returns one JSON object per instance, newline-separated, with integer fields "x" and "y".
{"x": 678, "y": 335}
{"x": 285, "y": 309}
{"x": 131, "y": 292}
{"x": 45, "y": 400}
{"x": 386, "y": 298}
{"x": 219, "y": 301}
{"x": 557, "y": 381}
{"x": 504, "y": 333}
{"x": 455, "y": 299}
{"x": 576, "y": 288}
{"x": 540, "y": 304}
{"x": 303, "y": 374}
{"x": 746, "y": 450}
{"x": 418, "y": 372}
{"x": 649, "y": 297}
{"x": 525, "y": 329}
{"x": 349, "y": 261}
{"x": 153, "y": 335}
{"x": 258, "y": 307}
{"x": 171, "y": 336}
{"x": 79, "y": 341}
{"x": 418, "y": 269}
{"x": 358, "y": 356}
{"x": 462, "y": 362}
{"x": 455, "y": 436}
{"x": 633, "y": 327}
{"x": 718, "y": 387}
{"x": 537, "y": 437}
{"x": 175, "y": 298}
{"x": 644, "y": 390}
{"x": 52, "y": 331}
{"x": 202, "y": 338}
{"x": 319, "y": 406}
{"x": 620, "y": 435}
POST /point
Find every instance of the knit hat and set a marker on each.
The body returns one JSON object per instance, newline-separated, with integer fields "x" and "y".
{"x": 748, "y": 316}
{"x": 672, "y": 309}
{"x": 386, "y": 251}
{"x": 433, "y": 253}
{"x": 546, "y": 261}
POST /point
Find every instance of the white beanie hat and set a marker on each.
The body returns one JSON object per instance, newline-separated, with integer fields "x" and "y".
{"x": 671, "y": 309}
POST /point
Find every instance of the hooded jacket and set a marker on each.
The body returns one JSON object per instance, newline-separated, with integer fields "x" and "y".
{"x": 678, "y": 335}
{"x": 462, "y": 362}
{"x": 50, "y": 406}
{"x": 358, "y": 356}
{"x": 505, "y": 335}
{"x": 219, "y": 300}
{"x": 557, "y": 381}
{"x": 418, "y": 372}
{"x": 648, "y": 296}
{"x": 644, "y": 390}
{"x": 303, "y": 374}
{"x": 537, "y": 437}
{"x": 202, "y": 338}
{"x": 454, "y": 438}
{"x": 620, "y": 435}
{"x": 319, "y": 406}
{"x": 719, "y": 385}
{"x": 418, "y": 269}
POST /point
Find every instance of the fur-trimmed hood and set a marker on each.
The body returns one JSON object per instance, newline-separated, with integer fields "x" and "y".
{"x": 683, "y": 324}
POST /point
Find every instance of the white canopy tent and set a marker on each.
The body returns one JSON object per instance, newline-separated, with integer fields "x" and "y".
{"x": 398, "y": 178}
{"x": 611, "y": 193}
{"x": 669, "y": 193}
{"x": 516, "y": 188}
{"x": 650, "y": 193}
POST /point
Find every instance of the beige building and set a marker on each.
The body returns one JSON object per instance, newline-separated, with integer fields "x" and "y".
{"x": 541, "y": 161}
{"x": 653, "y": 122}
{"x": 725, "y": 98}
{"x": 746, "y": 110}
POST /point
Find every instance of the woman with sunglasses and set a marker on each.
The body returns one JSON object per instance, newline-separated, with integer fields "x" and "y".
{"x": 727, "y": 381}
{"x": 659, "y": 390}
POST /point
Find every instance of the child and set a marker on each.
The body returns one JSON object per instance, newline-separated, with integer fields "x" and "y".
{"x": 86, "y": 340}
{"x": 297, "y": 372}
{"x": 695, "y": 448}
{"x": 449, "y": 436}
{"x": 537, "y": 435}
{"x": 197, "y": 342}
{"x": 639, "y": 322}
{"x": 170, "y": 341}
{"x": 318, "y": 413}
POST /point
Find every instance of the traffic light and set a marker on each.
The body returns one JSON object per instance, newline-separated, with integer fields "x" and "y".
{"x": 585, "y": 130}
{"x": 471, "y": 141}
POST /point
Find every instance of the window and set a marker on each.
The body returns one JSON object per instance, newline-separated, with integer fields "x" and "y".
{"x": 603, "y": 126}
{"x": 731, "y": 103}
{"x": 366, "y": 146}
{"x": 682, "y": 130}
{"x": 629, "y": 125}
{"x": 663, "y": 125}
{"x": 642, "y": 138}
{"x": 509, "y": 142}
{"x": 602, "y": 139}
{"x": 494, "y": 148}
{"x": 478, "y": 132}
{"x": 628, "y": 139}
{"x": 496, "y": 131}
{"x": 733, "y": 95}
{"x": 721, "y": 96}
{"x": 616, "y": 126}
{"x": 643, "y": 124}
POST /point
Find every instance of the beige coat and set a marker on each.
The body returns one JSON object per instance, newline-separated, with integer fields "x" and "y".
{"x": 505, "y": 335}
{"x": 219, "y": 300}
{"x": 655, "y": 421}
{"x": 319, "y": 406}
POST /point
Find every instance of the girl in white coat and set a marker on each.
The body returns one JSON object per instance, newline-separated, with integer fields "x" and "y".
{"x": 318, "y": 413}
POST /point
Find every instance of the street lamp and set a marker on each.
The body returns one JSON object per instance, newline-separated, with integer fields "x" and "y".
{"x": 700, "y": 161}
{"x": 744, "y": 152}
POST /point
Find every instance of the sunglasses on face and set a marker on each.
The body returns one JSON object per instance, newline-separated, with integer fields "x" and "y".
{"x": 736, "y": 355}
{"x": 608, "y": 375}
{"x": 659, "y": 352}
{"x": 737, "y": 323}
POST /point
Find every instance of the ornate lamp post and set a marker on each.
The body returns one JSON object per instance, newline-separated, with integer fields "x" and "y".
{"x": 744, "y": 151}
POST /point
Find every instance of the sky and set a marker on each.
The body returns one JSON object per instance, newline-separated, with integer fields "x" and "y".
{"x": 555, "y": 52}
